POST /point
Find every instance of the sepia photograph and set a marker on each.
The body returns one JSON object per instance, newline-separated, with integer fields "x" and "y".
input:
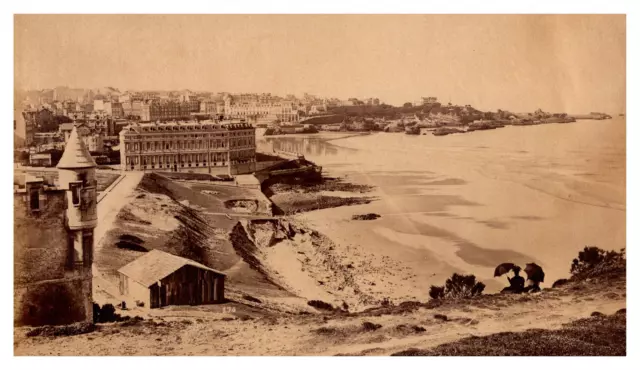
{"x": 319, "y": 185}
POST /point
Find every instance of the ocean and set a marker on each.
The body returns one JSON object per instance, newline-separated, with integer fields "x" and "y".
{"x": 465, "y": 203}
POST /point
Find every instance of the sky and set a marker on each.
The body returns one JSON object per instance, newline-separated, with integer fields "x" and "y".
{"x": 560, "y": 63}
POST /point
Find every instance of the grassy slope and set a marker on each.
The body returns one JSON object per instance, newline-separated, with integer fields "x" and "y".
{"x": 599, "y": 335}
{"x": 494, "y": 324}
{"x": 178, "y": 218}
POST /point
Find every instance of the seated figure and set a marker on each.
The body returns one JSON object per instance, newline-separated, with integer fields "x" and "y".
{"x": 516, "y": 282}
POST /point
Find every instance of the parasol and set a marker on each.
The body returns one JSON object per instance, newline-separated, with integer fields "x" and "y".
{"x": 504, "y": 268}
{"x": 534, "y": 272}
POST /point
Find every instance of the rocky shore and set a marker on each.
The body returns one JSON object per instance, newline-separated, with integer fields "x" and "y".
{"x": 295, "y": 194}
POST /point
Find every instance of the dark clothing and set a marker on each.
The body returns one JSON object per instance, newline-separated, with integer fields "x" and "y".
{"x": 517, "y": 282}
{"x": 534, "y": 288}
{"x": 517, "y": 285}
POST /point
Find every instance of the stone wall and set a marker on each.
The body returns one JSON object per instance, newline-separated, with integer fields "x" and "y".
{"x": 48, "y": 288}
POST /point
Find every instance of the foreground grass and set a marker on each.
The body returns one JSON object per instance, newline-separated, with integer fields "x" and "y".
{"x": 598, "y": 335}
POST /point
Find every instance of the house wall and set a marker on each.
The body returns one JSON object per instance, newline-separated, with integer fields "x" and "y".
{"x": 188, "y": 285}
{"x": 49, "y": 288}
{"x": 134, "y": 290}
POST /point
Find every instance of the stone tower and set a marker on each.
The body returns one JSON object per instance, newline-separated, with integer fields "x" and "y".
{"x": 53, "y": 241}
{"x": 77, "y": 176}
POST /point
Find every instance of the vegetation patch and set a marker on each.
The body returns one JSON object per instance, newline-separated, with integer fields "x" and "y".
{"x": 594, "y": 336}
{"x": 61, "y": 331}
{"x": 366, "y": 217}
{"x": 320, "y": 305}
{"x": 458, "y": 286}
{"x": 594, "y": 262}
{"x": 251, "y": 298}
{"x": 369, "y": 326}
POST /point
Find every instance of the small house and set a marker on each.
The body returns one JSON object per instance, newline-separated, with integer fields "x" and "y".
{"x": 161, "y": 279}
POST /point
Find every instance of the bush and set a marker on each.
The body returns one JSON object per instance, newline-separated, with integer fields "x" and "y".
{"x": 320, "y": 305}
{"x": 107, "y": 313}
{"x": 458, "y": 286}
{"x": 60, "y": 331}
{"x": 251, "y": 298}
{"x": 369, "y": 326}
{"x": 436, "y": 292}
{"x": 559, "y": 283}
{"x": 593, "y": 261}
{"x": 366, "y": 217}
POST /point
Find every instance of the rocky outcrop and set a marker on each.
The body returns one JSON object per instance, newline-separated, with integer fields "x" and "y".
{"x": 413, "y": 130}
{"x": 442, "y": 131}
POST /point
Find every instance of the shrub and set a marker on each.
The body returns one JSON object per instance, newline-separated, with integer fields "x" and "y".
{"x": 107, "y": 313}
{"x": 559, "y": 283}
{"x": 369, "y": 326}
{"x": 251, "y": 298}
{"x": 320, "y": 305}
{"x": 593, "y": 261}
{"x": 366, "y": 217}
{"x": 59, "y": 331}
{"x": 458, "y": 286}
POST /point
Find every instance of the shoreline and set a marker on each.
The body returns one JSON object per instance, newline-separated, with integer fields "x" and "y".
{"x": 440, "y": 204}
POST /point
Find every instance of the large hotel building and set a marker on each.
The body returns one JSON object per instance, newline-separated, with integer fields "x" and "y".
{"x": 198, "y": 147}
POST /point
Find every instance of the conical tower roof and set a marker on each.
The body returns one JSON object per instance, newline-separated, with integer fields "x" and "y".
{"x": 76, "y": 154}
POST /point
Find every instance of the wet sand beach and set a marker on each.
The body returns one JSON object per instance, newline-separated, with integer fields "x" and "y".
{"x": 465, "y": 203}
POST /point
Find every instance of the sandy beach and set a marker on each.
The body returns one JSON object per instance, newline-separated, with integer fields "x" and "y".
{"x": 467, "y": 203}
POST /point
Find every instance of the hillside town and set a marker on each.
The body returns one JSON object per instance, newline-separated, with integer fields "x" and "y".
{"x": 44, "y": 118}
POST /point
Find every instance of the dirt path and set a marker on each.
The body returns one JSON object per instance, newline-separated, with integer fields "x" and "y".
{"x": 108, "y": 208}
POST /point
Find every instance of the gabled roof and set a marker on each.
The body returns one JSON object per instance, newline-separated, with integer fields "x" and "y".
{"x": 156, "y": 265}
{"x": 76, "y": 154}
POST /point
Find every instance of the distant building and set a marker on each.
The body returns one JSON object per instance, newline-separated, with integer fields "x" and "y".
{"x": 132, "y": 108}
{"x": 202, "y": 147}
{"x": 208, "y": 107}
{"x": 98, "y": 105}
{"x": 93, "y": 139}
{"x": 427, "y": 100}
{"x": 53, "y": 242}
{"x": 40, "y": 159}
{"x": 40, "y": 138}
{"x": 160, "y": 279}
{"x": 260, "y": 109}
{"x": 157, "y": 110}
{"x": 114, "y": 109}
{"x": 33, "y": 119}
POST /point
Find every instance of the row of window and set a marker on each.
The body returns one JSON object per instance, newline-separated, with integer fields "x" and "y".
{"x": 188, "y": 145}
{"x": 235, "y": 131}
{"x": 189, "y": 158}
{"x": 178, "y": 158}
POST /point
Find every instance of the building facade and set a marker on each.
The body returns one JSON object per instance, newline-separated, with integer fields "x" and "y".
{"x": 53, "y": 242}
{"x": 198, "y": 147}
{"x": 40, "y": 159}
{"x": 114, "y": 109}
{"x": 260, "y": 110}
{"x": 33, "y": 119}
{"x": 167, "y": 110}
